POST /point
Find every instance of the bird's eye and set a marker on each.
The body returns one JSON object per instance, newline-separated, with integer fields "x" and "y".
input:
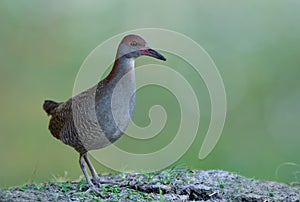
{"x": 133, "y": 43}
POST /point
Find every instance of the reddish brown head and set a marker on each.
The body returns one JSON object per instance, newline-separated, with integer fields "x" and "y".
{"x": 133, "y": 46}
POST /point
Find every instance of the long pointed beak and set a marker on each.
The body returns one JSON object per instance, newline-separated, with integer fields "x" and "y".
{"x": 152, "y": 53}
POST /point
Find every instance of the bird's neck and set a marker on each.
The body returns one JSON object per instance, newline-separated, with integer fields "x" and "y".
{"x": 121, "y": 66}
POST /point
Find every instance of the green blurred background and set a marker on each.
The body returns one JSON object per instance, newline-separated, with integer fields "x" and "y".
{"x": 255, "y": 45}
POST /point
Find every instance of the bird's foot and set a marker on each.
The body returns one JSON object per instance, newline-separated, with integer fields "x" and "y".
{"x": 96, "y": 190}
{"x": 97, "y": 180}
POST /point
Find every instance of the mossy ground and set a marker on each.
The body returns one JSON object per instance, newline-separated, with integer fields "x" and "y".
{"x": 168, "y": 185}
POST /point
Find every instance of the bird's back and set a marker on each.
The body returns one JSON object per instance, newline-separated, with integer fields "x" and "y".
{"x": 86, "y": 121}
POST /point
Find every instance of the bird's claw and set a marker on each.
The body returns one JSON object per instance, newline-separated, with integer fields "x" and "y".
{"x": 97, "y": 181}
{"x": 93, "y": 188}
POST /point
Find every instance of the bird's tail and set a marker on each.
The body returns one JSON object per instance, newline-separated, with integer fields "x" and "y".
{"x": 49, "y": 106}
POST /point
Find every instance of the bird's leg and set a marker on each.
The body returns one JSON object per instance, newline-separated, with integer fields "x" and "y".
{"x": 92, "y": 187}
{"x": 96, "y": 178}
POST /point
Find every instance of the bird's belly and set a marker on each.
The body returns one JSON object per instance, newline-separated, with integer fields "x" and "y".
{"x": 114, "y": 119}
{"x": 100, "y": 126}
{"x": 97, "y": 120}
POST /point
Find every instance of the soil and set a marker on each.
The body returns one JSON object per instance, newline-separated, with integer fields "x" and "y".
{"x": 168, "y": 185}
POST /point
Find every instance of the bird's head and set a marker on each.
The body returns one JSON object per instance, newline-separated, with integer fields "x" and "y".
{"x": 133, "y": 46}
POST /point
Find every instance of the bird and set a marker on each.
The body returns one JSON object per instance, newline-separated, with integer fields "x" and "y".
{"x": 98, "y": 116}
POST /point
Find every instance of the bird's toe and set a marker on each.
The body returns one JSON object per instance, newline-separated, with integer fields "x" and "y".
{"x": 94, "y": 189}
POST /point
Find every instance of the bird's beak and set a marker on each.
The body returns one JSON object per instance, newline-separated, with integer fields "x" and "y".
{"x": 152, "y": 53}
